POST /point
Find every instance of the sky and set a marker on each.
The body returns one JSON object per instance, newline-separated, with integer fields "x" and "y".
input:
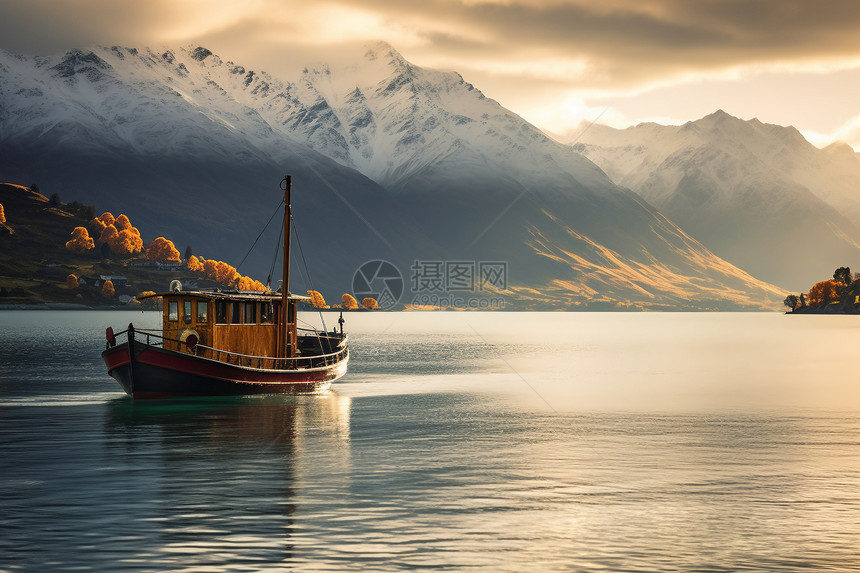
{"x": 556, "y": 63}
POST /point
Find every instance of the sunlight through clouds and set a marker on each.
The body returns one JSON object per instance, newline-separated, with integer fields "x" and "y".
{"x": 554, "y": 62}
{"x": 850, "y": 132}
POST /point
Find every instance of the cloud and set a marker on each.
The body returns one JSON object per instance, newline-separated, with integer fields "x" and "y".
{"x": 623, "y": 41}
{"x": 628, "y": 41}
{"x": 525, "y": 53}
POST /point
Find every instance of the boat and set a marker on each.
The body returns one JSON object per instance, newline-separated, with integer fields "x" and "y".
{"x": 226, "y": 342}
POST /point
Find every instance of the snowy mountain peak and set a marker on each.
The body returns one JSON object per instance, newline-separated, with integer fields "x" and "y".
{"x": 136, "y": 127}
{"x": 745, "y": 188}
{"x": 200, "y": 53}
{"x": 84, "y": 62}
{"x": 385, "y": 52}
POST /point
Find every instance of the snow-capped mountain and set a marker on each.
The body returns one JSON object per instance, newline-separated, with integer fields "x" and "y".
{"x": 389, "y": 160}
{"x": 758, "y": 195}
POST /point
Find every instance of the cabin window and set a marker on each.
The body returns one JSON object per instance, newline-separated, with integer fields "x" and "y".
{"x": 221, "y": 311}
{"x": 250, "y": 313}
{"x": 234, "y": 318}
{"x": 172, "y": 310}
{"x": 186, "y": 314}
{"x": 202, "y": 311}
{"x": 266, "y": 313}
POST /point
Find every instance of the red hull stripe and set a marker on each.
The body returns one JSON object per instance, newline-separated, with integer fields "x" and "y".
{"x": 116, "y": 357}
{"x": 189, "y": 364}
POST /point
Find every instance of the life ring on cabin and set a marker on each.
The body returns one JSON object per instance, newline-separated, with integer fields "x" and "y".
{"x": 175, "y": 286}
{"x": 189, "y": 338}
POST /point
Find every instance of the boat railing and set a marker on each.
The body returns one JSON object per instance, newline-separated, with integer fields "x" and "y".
{"x": 260, "y": 362}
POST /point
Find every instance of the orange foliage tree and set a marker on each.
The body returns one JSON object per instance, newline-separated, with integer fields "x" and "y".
{"x": 127, "y": 242}
{"x": 72, "y": 281}
{"x": 223, "y": 273}
{"x": 118, "y": 233}
{"x": 122, "y": 222}
{"x": 317, "y": 299}
{"x": 108, "y": 290}
{"x": 194, "y": 264}
{"x": 99, "y": 223}
{"x": 348, "y": 301}
{"x": 824, "y": 292}
{"x": 152, "y": 302}
{"x": 247, "y": 283}
{"x": 108, "y": 234}
{"x": 80, "y": 241}
{"x": 369, "y": 303}
{"x": 2, "y": 214}
{"x": 162, "y": 249}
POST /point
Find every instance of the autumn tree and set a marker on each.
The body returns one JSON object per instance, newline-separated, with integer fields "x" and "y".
{"x": 149, "y": 300}
{"x": 824, "y": 292}
{"x": 369, "y": 303}
{"x": 108, "y": 290}
{"x": 122, "y": 223}
{"x": 72, "y": 281}
{"x": 108, "y": 234}
{"x": 97, "y": 224}
{"x": 162, "y": 249}
{"x": 126, "y": 241}
{"x": 317, "y": 299}
{"x": 194, "y": 264}
{"x": 2, "y": 214}
{"x": 247, "y": 283}
{"x": 791, "y": 301}
{"x": 348, "y": 301}
{"x": 80, "y": 241}
{"x": 103, "y": 220}
{"x": 221, "y": 272}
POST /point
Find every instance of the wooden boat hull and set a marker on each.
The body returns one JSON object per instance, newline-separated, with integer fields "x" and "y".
{"x": 146, "y": 371}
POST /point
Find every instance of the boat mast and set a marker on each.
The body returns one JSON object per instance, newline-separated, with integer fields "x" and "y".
{"x": 287, "y": 351}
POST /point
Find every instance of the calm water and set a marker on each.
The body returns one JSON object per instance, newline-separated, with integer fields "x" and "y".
{"x": 486, "y": 442}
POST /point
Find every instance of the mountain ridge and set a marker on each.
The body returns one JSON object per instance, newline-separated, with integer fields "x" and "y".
{"x": 411, "y": 164}
{"x": 759, "y": 195}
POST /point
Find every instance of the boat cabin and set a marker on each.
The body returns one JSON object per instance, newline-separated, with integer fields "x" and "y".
{"x": 245, "y": 323}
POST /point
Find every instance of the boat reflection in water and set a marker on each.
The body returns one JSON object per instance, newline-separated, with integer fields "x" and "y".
{"x": 219, "y": 481}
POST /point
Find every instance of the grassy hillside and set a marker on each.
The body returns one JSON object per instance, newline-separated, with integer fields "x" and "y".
{"x": 34, "y": 262}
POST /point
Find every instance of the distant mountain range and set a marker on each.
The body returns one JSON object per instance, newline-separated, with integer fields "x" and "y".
{"x": 758, "y": 195}
{"x": 389, "y": 161}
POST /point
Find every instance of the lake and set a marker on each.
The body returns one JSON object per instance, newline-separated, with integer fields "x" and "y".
{"x": 458, "y": 442}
